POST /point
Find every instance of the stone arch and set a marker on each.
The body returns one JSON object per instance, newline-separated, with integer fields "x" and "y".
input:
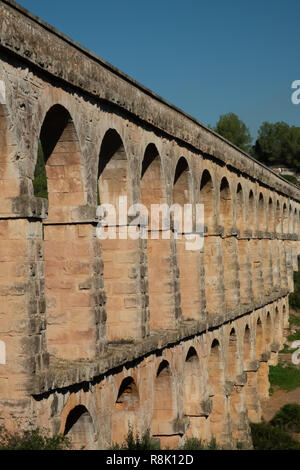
{"x": 247, "y": 344}
{"x": 285, "y": 218}
{"x": 268, "y": 331}
{"x": 120, "y": 253}
{"x": 295, "y": 221}
{"x": 261, "y": 214}
{"x": 278, "y": 220}
{"x": 125, "y": 412}
{"x": 192, "y": 384}
{"x": 207, "y": 198}
{"x": 113, "y": 169}
{"x": 64, "y": 166}
{"x": 271, "y": 221}
{"x": 251, "y": 211}
{"x": 9, "y": 175}
{"x": 216, "y": 383}
{"x": 225, "y": 204}
{"x": 232, "y": 355}
{"x": 187, "y": 260}
{"x": 240, "y": 222}
{"x": 182, "y": 183}
{"x": 70, "y": 321}
{"x": 259, "y": 339}
{"x": 158, "y": 249}
{"x": 164, "y": 411}
{"x": 80, "y": 429}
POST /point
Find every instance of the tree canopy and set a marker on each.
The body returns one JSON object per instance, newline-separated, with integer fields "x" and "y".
{"x": 278, "y": 144}
{"x": 234, "y": 130}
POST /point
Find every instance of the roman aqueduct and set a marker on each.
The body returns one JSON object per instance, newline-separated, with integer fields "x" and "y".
{"x": 100, "y": 334}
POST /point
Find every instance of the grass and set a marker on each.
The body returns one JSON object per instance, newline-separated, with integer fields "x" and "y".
{"x": 197, "y": 444}
{"x": 284, "y": 376}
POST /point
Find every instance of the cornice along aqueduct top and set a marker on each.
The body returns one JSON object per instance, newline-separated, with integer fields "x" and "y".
{"x": 38, "y": 43}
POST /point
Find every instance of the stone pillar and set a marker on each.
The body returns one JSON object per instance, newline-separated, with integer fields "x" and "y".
{"x": 267, "y": 267}
{"x": 69, "y": 261}
{"x": 192, "y": 294}
{"x": 283, "y": 266}
{"x": 231, "y": 273}
{"x": 22, "y": 317}
{"x": 123, "y": 273}
{"x": 256, "y": 264}
{"x": 275, "y": 260}
{"x": 214, "y": 286}
{"x": 263, "y": 381}
{"x": 244, "y": 272}
{"x": 252, "y": 397}
{"x": 163, "y": 290}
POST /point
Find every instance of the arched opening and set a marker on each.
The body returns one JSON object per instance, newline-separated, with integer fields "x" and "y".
{"x": 268, "y": 331}
{"x": 207, "y": 198}
{"x": 216, "y": 381}
{"x": 277, "y": 327}
{"x": 187, "y": 260}
{"x": 278, "y": 224}
{"x": 70, "y": 322}
{"x": 80, "y": 429}
{"x": 160, "y": 274}
{"x": 232, "y": 355}
{"x": 285, "y": 219}
{"x": 271, "y": 221}
{"x": 295, "y": 222}
{"x": 235, "y": 398}
{"x": 225, "y": 205}
{"x": 251, "y": 211}
{"x": 163, "y": 407}
{"x": 120, "y": 254}
{"x": 125, "y": 412}
{"x": 240, "y": 223}
{"x": 259, "y": 343}
{"x": 192, "y": 384}
{"x": 247, "y": 344}
{"x": 261, "y": 214}
{"x": 290, "y": 220}
{"x": 60, "y": 147}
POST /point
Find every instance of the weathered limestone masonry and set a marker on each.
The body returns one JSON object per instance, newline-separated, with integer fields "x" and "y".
{"x": 100, "y": 334}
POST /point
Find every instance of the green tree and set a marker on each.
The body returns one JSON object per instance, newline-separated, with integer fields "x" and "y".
{"x": 40, "y": 178}
{"x": 234, "y": 130}
{"x": 278, "y": 144}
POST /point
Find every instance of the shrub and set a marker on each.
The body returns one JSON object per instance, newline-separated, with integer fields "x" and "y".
{"x": 33, "y": 439}
{"x": 197, "y": 444}
{"x": 287, "y": 418}
{"x": 267, "y": 437}
{"x": 137, "y": 442}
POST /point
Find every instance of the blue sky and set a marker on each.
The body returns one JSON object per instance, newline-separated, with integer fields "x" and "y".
{"x": 206, "y": 57}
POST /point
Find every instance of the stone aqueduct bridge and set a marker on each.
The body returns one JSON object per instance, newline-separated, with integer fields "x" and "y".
{"x": 100, "y": 334}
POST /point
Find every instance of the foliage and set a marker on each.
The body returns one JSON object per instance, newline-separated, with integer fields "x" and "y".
{"x": 40, "y": 178}
{"x": 285, "y": 376}
{"x": 290, "y": 179}
{"x": 137, "y": 442}
{"x": 295, "y": 336}
{"x": 267, "y": 437}
{"x": 278, "y": 144}
{"x": 32, "y": 439}
{"x": 294, "y": 320}
{"x": 287, "y": 418}
{"x": 294, "y": 297}
{"x": 234, "y": 130}
{"x": 197, "y": 444}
